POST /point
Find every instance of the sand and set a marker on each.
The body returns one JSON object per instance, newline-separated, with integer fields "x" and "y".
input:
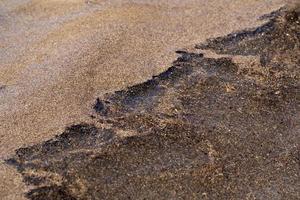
{"x": 57, "y": 56}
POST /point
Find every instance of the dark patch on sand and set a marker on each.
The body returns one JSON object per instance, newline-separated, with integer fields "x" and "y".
{"x": 2, "y": 87}
{"x": 206, "y": 128}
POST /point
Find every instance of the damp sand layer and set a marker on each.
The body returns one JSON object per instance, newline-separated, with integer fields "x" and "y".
{"x": 222, "y": 127}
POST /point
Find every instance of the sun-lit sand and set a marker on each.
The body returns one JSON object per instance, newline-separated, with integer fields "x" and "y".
{"x": 57, "y": 56}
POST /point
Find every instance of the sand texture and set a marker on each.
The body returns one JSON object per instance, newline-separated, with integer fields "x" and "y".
{"x": 95, "y": 103}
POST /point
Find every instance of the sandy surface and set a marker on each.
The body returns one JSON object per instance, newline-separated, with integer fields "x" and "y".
{"x": 57, "y": 56}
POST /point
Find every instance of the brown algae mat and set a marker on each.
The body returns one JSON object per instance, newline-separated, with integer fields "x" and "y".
{"x": 223, "y": 127}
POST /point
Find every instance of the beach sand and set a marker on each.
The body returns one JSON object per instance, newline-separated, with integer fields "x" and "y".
{"x": 57, "y": 56}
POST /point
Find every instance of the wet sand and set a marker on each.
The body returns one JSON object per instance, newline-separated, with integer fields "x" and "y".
{"x": 58, "y": 56}
{"x": 208, "y": 127}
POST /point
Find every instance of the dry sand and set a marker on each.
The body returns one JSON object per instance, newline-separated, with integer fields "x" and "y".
{"x": 58, "y": 55}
